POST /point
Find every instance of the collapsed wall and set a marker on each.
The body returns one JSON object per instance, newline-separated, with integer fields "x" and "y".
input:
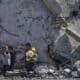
{"x": 31, "y": 21}
{"x": 68, "y": 15}
{"x": 23, "y": 21}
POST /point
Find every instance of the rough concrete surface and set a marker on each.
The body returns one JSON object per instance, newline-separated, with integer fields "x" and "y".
{"x": 31, "y": 21}
{"x": 24, "y": 21}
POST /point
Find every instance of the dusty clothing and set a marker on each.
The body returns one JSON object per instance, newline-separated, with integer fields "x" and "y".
{"x": 13, "y": 55}
{"x": 29, "y": 66}
{"x": 30, "y": 59}
{"x": 29, "y": 53}
{"x": 7, "y": 59}
{"x": 6, "y": 62}
{"x": 4, "y": 69}
{"x": 31, "y": 56}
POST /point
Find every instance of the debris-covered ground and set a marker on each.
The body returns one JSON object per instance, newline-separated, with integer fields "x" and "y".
{"x": 32, "y": 19}
{"x": 44, "y": 71}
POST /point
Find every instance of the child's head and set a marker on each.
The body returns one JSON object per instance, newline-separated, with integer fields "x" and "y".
{"x": 8, "y": 48}
{"x": 27, "y": 46}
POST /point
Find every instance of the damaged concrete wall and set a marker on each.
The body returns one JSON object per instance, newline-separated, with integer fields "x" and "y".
{"x": 24, "y": 21}
{"x": 67, "y": 44}
{"x": 53, "y": 6}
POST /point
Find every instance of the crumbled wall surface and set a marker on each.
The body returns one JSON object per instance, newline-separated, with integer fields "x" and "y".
{"x": 67, "y": 44}
{"x": 24, "y": 21}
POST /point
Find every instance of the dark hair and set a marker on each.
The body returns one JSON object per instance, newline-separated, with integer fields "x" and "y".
{"x": 10, "y": 47}
{"x": 28, "y": 44}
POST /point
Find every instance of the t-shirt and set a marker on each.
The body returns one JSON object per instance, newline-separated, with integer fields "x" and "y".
{"x": 7, "y": 58}
{"x": 31, "y": 56}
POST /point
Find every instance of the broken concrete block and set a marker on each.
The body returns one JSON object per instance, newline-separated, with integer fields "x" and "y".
{"x": 75, "y": 74}
{"x": 76, "y": 56}
{"x": 75, "y": 34}
{"x": 77, "y": 64}
{"x": 53, "y": 6}
{"x": 63, "y": 41}
{"x": 61, "y": 21}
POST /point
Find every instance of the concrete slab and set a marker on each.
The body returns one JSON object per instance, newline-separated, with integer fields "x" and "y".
{"x": 53, "y": 6}
{"x": 73, "y": 30}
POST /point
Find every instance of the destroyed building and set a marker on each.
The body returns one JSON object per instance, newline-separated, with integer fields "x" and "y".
{"x": 42, "y": 22}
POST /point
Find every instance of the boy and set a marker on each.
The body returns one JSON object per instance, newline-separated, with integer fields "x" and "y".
{"x": 30, "y": 57}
